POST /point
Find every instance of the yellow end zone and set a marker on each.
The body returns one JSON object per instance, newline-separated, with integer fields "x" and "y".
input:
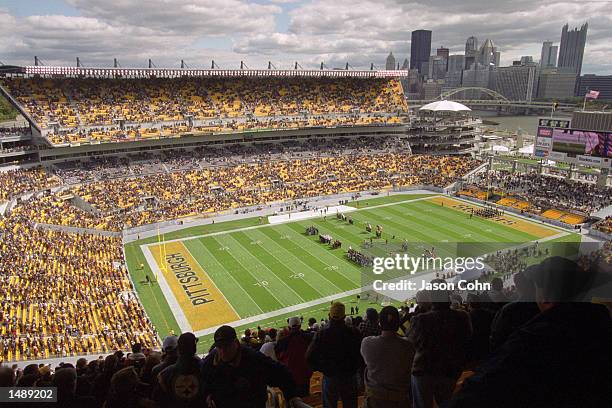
{"x": 517, "y": 223}
{"x": 202, "y": 302}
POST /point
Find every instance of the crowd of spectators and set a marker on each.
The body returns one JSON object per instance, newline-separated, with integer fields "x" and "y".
{"x": 64, "y": 294}
{"x": 86, "y": 110}
{"x": 129, "y": 202}
{"x": 542, "y": 190}
{"x": 604, "y": 225}
{"x": 16, "y": 182}
{"x": 487, "y": 350}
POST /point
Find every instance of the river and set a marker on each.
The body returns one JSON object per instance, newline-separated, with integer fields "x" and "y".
{"x": 528, "y": 124}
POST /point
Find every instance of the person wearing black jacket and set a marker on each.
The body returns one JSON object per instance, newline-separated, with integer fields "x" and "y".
{"x": 179, "y": 384}
{"x": 335, "y": 351}
{"x": 236, "y": 376}
{"x": 561, "y": 358}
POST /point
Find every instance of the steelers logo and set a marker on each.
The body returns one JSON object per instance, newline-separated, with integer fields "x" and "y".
{"x": 186, "y": 386}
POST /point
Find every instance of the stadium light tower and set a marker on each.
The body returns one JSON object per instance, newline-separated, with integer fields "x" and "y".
{"x": 115, "y": 63}
{"x": 78, "y": 62}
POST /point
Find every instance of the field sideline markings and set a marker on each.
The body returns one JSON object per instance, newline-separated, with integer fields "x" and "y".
{"x": 211, "y": 234}
{"x": 175, "y": 307}
{"x": 150, "y": 287}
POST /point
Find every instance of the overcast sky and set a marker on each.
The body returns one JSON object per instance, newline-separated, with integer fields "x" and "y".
{"x": 283, "y": 31}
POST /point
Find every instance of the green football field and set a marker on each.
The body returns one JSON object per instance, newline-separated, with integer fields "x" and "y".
{"x": 262, "y": 274}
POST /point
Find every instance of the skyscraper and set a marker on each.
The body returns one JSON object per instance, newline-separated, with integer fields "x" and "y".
{"x": 548, "y": 58}
{"x": 420, "y": 49}
{"x": 390, "y": 64}
{"x": 471, "y": 49}
{"x": 488, "y": 54}
{"x": 443, "y": 52}
{"x": 571, "y": 49}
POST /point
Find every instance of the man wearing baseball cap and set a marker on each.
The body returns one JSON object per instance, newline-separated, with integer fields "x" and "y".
{"x": 170, "y": 355}
{"x": 334, "y": 351}
{"x": 560, "y": 358}
{"x": 236, "y": 376}
{"x": 179, "y": 384}
{"x": 291, "y": 352}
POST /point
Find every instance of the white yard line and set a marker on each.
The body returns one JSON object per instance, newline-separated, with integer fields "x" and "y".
{"x": 176, "y": 309}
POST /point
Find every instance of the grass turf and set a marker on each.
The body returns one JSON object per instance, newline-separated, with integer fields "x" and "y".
{"x": 264, "y": 268}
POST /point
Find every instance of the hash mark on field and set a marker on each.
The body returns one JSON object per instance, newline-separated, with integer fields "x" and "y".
{"x": 467, "y": 236}
{"x": 331, "y": 268}
{"x": 256, "y": 242}
{"x": 285, "y": 237}
{"x": 223, "y": 248}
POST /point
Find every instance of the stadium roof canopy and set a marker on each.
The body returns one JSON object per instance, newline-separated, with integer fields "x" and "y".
{"x": 52, "y": 71}
{"x": 444, "y": 106}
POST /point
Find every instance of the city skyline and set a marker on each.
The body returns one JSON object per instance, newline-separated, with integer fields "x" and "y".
{"x": 285, "y": 31}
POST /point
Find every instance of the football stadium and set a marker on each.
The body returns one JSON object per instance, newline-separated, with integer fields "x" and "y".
{"x": 280, "y": 238}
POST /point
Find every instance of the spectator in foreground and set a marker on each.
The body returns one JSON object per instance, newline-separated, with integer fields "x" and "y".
{"x": 291, "y": 352}
{"x": 560, "y": 358}
{"x": 335, "y": 352}
{"x": 268, "y": 347}
{"x": 236, "y": 376}
{"x": 440, "y": 337}
{"x": 370, "y": 326}
{"x": 481, "y": 318}
{"x": 7, "y": 376}
{"x": 180, "y": 383}
{"x": 125, "y": 391}
{"x": 169, "y": 356}
{"x": 388, "y": 360}
{"x": 514, "y": 314}
{"x": 65, "y": 379}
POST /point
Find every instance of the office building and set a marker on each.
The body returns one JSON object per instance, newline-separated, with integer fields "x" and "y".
{"x": 548, "y": 57}
{"x": 420, "y": 50}
{"x": 436, "y": 67}
{"x": 517, "y": 82}
{"x": 556, "y": 85}
{"x": 571, "y": 49}
{"x": 488, "y": 55}
{"x": 601, "y": 83}
{"x": 471, "y": 50}
{"x": 456, "y": 63}
{"x": 390, "y": 64}
{"x": 477, "y": 76}
{"x": 443, "y": 52}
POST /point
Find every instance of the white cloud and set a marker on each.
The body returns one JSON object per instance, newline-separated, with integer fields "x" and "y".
{"x": 357, "y": 31}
